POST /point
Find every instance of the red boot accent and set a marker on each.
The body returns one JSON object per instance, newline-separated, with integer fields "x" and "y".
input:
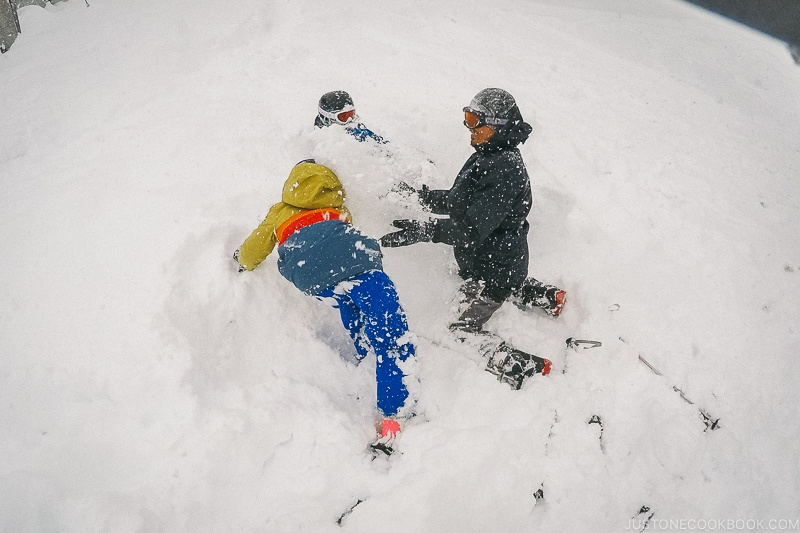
{"x": 547, "y": 365}
{"x": 561, "y": 298}
{"x": 390, "y": 427}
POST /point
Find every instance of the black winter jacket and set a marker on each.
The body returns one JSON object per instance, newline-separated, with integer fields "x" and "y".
{"x": 488, "y": 206}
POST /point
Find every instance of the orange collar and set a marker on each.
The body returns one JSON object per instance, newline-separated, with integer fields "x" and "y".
{"x": 307, "y": 218}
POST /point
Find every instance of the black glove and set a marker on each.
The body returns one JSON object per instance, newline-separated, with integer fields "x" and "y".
{"x": 404, "y": 189}
{"x": 425, "y": 196}
{"x": 236, "y": 258}
{"x": 411, "y": 232}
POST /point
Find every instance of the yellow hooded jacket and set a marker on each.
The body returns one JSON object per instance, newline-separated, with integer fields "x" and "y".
{"x": 309, "y": 186}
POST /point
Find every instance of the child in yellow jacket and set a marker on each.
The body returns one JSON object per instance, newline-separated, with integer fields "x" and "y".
{"x": 323, "y": 255}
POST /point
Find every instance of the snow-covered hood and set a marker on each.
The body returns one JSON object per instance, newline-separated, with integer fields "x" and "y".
{"x": 312, "y": 186}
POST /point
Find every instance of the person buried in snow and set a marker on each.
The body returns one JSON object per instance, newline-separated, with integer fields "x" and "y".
{"x": 486, "y": 224}
{"x": 324, "y": 256}
{"x": 336, "y": 108}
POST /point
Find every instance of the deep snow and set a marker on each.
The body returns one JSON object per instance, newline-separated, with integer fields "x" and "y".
{"x": 147, "y": 386}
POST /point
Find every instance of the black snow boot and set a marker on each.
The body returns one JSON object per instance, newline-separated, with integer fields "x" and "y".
{"x": 534, "y": 293}
{"x": 512, "y": 366}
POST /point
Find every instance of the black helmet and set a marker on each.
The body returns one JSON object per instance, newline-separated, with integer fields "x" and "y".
{"x": 335, "y": 107}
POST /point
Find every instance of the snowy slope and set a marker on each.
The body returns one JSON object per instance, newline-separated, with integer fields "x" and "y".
{"x": 145, "y": 386}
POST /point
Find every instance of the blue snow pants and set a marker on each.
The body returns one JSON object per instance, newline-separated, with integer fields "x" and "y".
{"x": 372, "y": 314}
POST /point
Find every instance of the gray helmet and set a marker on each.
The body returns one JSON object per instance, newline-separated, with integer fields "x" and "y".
{"x": 494, "y": 106}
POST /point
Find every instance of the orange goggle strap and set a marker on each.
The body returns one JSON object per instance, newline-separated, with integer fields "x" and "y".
{"x": 307, "y": 218}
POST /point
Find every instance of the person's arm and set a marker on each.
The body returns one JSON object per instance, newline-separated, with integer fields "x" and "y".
{"x": 362, "y": 133}
{"x": 432, "y": 200}
{"x": 492, "y": 200}
{"x": 435, "y": 200}
{"x": 261, "y": 242}
{"x": 491, "y": 205}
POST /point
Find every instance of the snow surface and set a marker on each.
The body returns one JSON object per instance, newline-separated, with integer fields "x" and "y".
{"x": 146, "y": 386}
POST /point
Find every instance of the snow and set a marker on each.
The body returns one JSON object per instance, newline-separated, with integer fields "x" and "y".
{"x": 147, "y": 386}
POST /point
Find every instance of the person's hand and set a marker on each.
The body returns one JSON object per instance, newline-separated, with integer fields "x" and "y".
{"x": 236, "y": 258}
{"x": 425, "y": 196}
{"x": 411, "y": 232}
{"x": 404, "y": 189}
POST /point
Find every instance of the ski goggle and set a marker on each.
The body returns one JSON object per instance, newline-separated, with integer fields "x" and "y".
{"x": 475, "y": 119}
{"x": 342, "y": 116}
{"x": 472, "y": 120}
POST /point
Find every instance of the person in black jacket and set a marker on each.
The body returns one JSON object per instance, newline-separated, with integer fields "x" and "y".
{"x": 487, "y": 209}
